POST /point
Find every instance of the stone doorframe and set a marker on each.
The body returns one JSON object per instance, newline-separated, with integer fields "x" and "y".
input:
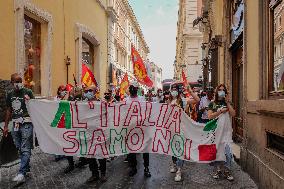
{"x": 84, "y": 31}
{"x": 25, "y": 7}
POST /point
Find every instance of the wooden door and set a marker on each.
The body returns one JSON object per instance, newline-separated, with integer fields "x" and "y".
{"x": 237, "y": 94}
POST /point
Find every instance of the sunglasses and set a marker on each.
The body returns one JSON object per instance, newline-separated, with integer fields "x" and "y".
{"x": 90, "y": 90}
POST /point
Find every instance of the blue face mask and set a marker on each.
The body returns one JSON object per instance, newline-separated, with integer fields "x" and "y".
{"x": 89, "y": 95}
{"x": 221, "y": 94}
{"x": 63, "y": 93}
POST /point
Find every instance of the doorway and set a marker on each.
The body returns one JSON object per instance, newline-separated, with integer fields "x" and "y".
{"x": 237, "y": 93}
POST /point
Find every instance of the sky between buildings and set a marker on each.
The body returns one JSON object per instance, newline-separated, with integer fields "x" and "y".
{"x": 158, "y": 21}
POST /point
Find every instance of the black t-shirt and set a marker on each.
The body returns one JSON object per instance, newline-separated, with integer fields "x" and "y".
{"x": 16, "y": 101}
{"x": 215, "y": 106}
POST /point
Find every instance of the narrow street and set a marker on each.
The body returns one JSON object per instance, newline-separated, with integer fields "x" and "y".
{"x": 46, "y": 173}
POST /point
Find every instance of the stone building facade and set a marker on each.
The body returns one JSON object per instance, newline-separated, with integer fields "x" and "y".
{"x": 241, "y": 37}
{"x": 188, "y": 41}
{"x": 123, "y": 32}
{"x": 48, "y": 42}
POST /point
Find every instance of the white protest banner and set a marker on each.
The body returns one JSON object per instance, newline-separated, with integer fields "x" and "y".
{"x": 101, "y": 130}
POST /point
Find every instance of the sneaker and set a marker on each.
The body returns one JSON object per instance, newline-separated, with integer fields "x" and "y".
{"x": 103, "y": 178}
{"x": 125, "y": 160}
{"x": 132, "y": 172}
{"x": 20, "y": 178}
{"x": 93, "y": 178}
{"x": 69, "y": 169}
{"x": 147, "y": 172}
{"x": 217, "y": 174}
{"x": 178, "y": 175}
{"x": 173, "y": 169}
{"x": 228, "y": 176}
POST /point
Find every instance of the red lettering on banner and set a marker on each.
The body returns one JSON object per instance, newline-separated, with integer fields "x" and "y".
{"x": 76, "y": 123}
{"x": 70, "y": 136}
{"x": 187, "y": 148}
{"x": 148, "y": 112}
{"x": 116, "y": 113}
{"x": 163, "y": 111}
{"x": 134, "y": 111}
{"x": 104, "y": 115}
{"x": 98, "y": 140}
{"x": 91, "y": 105}
{"x": 133, "y": 145}
{"x": 174, "y": 118}
{"x": 161, "y": 139}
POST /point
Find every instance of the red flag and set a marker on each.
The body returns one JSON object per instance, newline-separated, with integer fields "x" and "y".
{"x": 88, "y": 77}
{"x": 185, "y": 83}
{"x": 184, "y": 79}
{"x": 139, "y": 68}
{"x": 124, "y": 85}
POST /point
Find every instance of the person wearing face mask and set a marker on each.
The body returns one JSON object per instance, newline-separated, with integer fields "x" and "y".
{"x": 90, "y": 95}
{"x": 22, "y": 126}
{"x": 204, "y": 103}
{"x": 159, "y": 97}
{"x": 133, "y": 90}
{"x": 74, "y": 95}
{"x": 222, "y": 105}
{"x": 62, "y": 93}
{"x": 176, "y": 99}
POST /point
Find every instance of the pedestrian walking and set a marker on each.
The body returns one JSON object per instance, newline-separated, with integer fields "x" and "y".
{"x": 222, "y": 105}
{"x": 75, "y": 95}
{"x": 133, "y": 90}
{"x": 176, "y": 100}
{"x": 90, "y": 95}
{"x": 22, "y": 126}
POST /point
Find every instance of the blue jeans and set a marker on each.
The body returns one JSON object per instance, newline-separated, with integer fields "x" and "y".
{"x": 23, "y": 139}
{"x": 229, "y": 160}
{"x": 178, "y": 162}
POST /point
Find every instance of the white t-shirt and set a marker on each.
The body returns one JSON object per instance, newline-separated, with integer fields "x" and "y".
{"x": 204, "y": 102}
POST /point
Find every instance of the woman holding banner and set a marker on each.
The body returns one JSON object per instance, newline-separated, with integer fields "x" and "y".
{"x": 221, "y": 105}
{"x": 90, "y": 95}
{"x": 176, "y": 100}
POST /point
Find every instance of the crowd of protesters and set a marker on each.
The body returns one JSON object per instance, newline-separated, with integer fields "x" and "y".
{"x": 200, "y": 106}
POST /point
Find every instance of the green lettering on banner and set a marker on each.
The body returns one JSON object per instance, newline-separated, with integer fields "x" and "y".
{"x": 177, "y": 140}
{"x": 121, "y": 136}
{"x": 62, "y": 117}
{"x": 83, "y": 140}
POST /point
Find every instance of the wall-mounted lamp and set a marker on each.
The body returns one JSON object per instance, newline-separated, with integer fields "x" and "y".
{"x": 67, "y": 63}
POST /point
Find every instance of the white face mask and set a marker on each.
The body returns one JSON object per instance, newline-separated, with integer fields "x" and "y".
{"x": 63, "y": 93}
{"x": 18, "y": 86}
{"x": 221, "y": 94}
{"x": 174, "y": 93}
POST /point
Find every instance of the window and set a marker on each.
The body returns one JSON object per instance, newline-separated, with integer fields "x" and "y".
{"x": 88, "y": 53}
{"x": 276, "y": 68}
{"x": 32, "y": 42}
{"x": 279, "y": 25}
{"x": 275, "y": 142}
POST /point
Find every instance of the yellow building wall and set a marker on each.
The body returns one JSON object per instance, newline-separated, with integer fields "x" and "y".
{"x": 65, "y": 14}
{"x": 7, "y": 39}
{"x": 252, "y": 44}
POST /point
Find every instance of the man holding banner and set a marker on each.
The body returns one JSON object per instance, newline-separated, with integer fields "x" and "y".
{"x": 133, "y": 90}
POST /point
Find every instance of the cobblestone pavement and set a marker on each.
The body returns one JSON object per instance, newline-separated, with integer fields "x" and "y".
{"x": 46, "y": 173}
